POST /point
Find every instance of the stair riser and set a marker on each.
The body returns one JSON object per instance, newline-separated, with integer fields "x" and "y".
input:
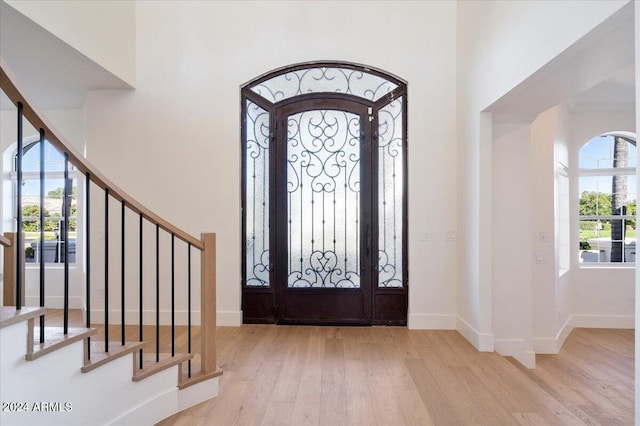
{"x": 98, "y": 397}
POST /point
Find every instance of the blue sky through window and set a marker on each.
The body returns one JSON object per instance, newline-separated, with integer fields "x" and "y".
{"x": 598, "y": 154}
{"x": 54, "y": 162}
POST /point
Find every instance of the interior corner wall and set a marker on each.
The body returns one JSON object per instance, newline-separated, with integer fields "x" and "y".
{"x": 543, "y": 135}
{"x": 499, "y": 45}
{"x": 174, "y": 142}
{"x": 562, "y": 212}
{"x": 512, "y": 243}
{"x": 102, "y": 30}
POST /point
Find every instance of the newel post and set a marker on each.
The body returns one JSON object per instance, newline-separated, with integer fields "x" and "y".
{"x": 10, "y": 272}
{"x": 208, "y": 303}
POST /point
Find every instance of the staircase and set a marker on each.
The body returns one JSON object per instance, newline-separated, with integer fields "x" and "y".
{"x": 148, "y": 351}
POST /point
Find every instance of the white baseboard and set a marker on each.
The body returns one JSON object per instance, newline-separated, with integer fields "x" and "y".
{"x": 518, "y": 349}
{"x": 55, "y": 302}
{"x": 229, "y": 318}
{"x": 431, "y": 322}
{"x": 603, "y": 321}
{"x": 223, "y": 318}
{"x": 148, "y": 317}
{"x": 552, "y": 345}
{"x": 482, "y": 341}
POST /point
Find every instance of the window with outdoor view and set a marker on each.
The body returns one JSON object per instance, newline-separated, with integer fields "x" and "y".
{"x": 53, "y": 247}
{"x": 608, "y": 194}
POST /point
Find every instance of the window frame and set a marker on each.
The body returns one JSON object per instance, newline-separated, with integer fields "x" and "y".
{"x": 605, "y": 172}
{"x": 75, "y": 176}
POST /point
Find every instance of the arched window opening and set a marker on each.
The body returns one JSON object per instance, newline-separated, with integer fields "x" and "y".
{"x": 53, "y": 246}
{"x": 608, "y": 195}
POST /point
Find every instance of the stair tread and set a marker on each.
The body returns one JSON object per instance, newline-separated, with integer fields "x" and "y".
{"x": 150, "y": 366}
{"x": 101, "y": 357}
{"x": 196, "y": 378}
{"x": 54, "y": 338}
{"x": 9, "y": 315}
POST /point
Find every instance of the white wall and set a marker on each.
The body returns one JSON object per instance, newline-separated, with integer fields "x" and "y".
{"x": 102, "y": 30}
{"x": 564, "y": 216}
{"x": 543, "y": 136}
{"x": 499, "y": 45}
{"x": 512, "y": 243}
{"x": 175, "y": 141}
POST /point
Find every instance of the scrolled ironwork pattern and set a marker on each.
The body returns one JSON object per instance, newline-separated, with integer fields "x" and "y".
{"x": 390, "y": 194}
{"x": 323, "y": 184}
{"x": 324, "y": 80}
{"x": 257, "y": 195}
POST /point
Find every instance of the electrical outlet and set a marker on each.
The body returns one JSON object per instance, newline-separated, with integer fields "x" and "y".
{"x": 101, "y": 293}
{"x": 542, "y": 237}
{"x": 450, "y": 236}
{"x": 425, "y": 236}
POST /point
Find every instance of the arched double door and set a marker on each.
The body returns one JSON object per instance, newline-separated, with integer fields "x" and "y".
{"x": 324, "y": 197}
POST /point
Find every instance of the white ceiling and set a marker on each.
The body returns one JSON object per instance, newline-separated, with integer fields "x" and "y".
{"x": 54, "y": 74}
{"x": 617, "y": 93}
{"x": 595, "y": 73}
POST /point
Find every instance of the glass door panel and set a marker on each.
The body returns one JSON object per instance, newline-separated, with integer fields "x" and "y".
{"x": 323, "y": 191}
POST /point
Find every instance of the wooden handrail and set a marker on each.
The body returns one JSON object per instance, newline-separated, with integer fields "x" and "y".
{"x": 4, "y": 241}
{"x": 16, "y": 94}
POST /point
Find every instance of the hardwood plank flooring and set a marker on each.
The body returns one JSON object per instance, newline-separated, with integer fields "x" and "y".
{"x": 284, "y": 375}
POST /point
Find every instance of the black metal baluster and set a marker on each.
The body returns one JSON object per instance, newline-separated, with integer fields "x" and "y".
{"x": 19, "y": 239}
{"x": 189, "y": 308}
{"x": 122, "y": 274}
{"x": 141, "y": 283}
{"x": 106, "y": 270}
{"x": 41, "y": 250}
{"x": 65, "y": 235}
{"x": 67, "y": 211}
{"x": 157, "y": 293}
{"x": 173, "y": 297}
{"x": 88, "y": 255}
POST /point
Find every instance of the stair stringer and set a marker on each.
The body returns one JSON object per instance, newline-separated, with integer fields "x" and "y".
{"x": 106, "y": 395}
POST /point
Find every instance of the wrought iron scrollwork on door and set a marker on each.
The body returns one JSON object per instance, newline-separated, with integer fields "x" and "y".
{"x": 323, "y": 184}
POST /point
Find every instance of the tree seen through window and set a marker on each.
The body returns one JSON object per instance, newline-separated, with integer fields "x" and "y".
{"x": 608, "y": 198}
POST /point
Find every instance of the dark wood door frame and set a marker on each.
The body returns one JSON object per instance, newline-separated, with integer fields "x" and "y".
{"x": 385, "y": 305}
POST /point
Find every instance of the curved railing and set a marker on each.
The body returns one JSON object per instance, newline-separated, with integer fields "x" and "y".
{"x": 144, "y": 219}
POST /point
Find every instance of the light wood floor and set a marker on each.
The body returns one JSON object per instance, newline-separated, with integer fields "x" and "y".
{"x": 279, "y": 375}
